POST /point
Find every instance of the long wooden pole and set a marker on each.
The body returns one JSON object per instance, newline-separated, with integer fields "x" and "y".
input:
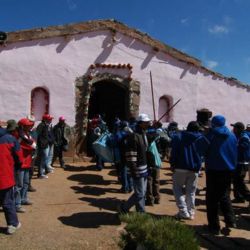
{"x": 169, "y": 109}
{"x": 152, "y": 92}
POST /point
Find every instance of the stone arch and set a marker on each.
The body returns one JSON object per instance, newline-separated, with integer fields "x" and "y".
{"x": 83, "y": 88}
{"x": 39, "y": 102}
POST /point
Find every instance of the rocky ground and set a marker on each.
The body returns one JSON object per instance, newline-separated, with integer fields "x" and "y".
{"x": 76, "y": 209}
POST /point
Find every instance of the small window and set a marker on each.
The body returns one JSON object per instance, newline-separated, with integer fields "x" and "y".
{"x": 165, "y": 102}
{"x": 39, "y": 103}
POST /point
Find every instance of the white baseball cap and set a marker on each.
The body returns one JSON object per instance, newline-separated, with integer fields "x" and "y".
{"x": 143, "y": 118}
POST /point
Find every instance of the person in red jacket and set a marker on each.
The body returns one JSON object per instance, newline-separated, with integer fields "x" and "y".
{"x": 22, "y": 175}
{"x": 9, "y": 158}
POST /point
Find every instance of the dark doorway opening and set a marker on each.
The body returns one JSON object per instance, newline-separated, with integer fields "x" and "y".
{"x": 109, "y": 100}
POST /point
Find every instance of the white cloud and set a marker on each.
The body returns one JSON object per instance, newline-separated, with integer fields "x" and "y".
{"x": 184, "y": 21}
{"x": 212, "y": 64}
{"x": 218, "y": 29}
{"x": 71, "y": 4}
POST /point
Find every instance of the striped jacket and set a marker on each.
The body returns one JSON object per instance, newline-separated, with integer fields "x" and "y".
{"x": 135, "y": 153}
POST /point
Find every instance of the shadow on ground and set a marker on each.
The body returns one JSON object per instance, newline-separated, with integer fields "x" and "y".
{"x": 93, "y": 190}
{"x": 72, "y": 168}
{"x": 90, "y": 219}
{"x": 3, "y": 230}
{"x": 102, "y": 203}
{"x": 210, "y": 241}
{"x": 90, "y": 179}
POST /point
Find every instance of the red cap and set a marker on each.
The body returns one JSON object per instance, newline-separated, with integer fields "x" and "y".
{"x": 25, "y": 122}
{"x": 47, "y": 117}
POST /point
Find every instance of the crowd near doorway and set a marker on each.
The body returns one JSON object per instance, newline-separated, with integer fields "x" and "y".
{"x": 109, "y": 100}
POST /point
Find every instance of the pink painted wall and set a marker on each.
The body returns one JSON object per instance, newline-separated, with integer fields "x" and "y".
{"x": 55, "y": 64}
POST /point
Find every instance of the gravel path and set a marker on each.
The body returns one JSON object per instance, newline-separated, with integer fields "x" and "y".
{"x": 76, "y": 209}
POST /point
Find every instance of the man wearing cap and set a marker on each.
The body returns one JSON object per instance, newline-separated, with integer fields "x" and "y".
{"x": 10, "y": 158}
{"x": 241, "y": 191}
{"x": 136, "y": 158}
{"x": 188, "y": 147}
{"x": 45, "y": 142}
{"x": 61, "y": 134}
{"x": 220, "y": 162}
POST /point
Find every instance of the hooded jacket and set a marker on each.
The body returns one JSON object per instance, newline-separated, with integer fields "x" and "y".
{"x": 10, "y": 156}
{"x": 222, "y": 152}
{"x": 244, "y": 148}
{"x": 187, "y": 150}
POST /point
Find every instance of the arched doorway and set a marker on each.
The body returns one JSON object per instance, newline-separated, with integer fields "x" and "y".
{"x": 165, "y": 102}
{"x": 110, "y": 100}
{"x": 39, "y": 103}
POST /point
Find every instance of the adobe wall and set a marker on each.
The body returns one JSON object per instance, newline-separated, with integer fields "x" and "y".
{"x": 57, "y": 63}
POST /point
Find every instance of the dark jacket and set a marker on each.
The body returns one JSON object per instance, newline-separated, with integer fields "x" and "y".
{"x": 187, "y": 150}
{"x": 222, "y": 151}
{"x": 45, "y": 135}
{"x": 243, "y": 148}
{"x": 10, "y": 156}
{"x": 61, "y": 134}
{"x": 136, "y": 154}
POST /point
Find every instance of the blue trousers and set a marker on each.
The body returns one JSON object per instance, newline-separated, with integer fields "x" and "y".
{"x": 7, "y": 201}
{"x": 137, "y": 199}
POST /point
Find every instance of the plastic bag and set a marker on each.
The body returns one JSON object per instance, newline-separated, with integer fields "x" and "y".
{"x": 153, "y": 149}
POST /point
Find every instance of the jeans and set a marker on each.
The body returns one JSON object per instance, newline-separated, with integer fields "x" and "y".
{"x": 45, "y": 155}
{"x": 50, "y": 154}
{"x": 8, "y": 203}
{"x": 126, "y": 179}
{"x": 185, "y": 201}
{"x": 22, "y": 185}
{"x": 138, "y": 197}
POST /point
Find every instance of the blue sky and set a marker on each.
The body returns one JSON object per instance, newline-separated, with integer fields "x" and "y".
{"x": 217, "y": 32}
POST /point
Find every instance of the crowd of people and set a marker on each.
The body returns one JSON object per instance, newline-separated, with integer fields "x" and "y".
{"x": 223, "y": 153}
{"x": 136, "y": 148}
{"x": 21, "y": 148}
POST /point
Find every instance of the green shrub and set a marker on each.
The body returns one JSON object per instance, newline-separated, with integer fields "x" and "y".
{"x": 156, "y": 233}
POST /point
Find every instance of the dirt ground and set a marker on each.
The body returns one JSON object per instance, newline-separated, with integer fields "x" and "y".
{"x": 76, "y": 209}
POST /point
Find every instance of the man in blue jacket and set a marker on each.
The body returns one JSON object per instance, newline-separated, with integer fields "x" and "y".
{"x": 241, "y": 191}
{"x": 185, "y": 160}
{"x": 220, "y": 162}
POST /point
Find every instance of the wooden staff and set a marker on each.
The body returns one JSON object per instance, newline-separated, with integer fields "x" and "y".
{"x": 152, "y": 91}
{"x": 169, "y": 109}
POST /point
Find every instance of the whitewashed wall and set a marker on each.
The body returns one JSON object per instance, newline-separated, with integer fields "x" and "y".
{"x": 55, "y": 64}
